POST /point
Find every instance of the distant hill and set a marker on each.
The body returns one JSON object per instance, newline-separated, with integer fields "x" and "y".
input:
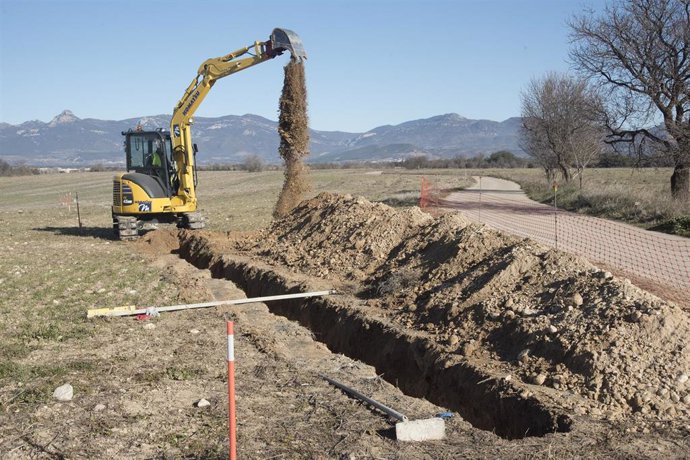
{"x": 68, "y": 140}
{"x": 441, "y": 136}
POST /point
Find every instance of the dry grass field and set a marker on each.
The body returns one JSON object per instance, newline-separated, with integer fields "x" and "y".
{"x": 147, "y": 379}
{"x": 52, "y": 271}
{"x": 637, "y": 196}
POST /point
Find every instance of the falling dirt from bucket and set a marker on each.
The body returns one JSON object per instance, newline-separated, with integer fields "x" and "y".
{"x": 293, "y": 127}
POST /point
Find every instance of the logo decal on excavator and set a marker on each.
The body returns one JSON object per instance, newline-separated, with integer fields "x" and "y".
{"x": 191, "y": 101}
{"x": 144, "y": 206}
{"x": 176, "y": 130}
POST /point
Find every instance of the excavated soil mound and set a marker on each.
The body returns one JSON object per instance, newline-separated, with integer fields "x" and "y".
{"x": 338, "y": 235}
{"x": 549, "y": 317}
{"x": 546, "y": 317}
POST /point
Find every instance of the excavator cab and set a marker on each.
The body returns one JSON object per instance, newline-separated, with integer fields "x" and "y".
{"x": 148, "y": 161}
{"x": 145, "y": 191}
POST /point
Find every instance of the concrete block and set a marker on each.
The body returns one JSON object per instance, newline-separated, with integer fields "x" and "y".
{"x": 421, "y": 430}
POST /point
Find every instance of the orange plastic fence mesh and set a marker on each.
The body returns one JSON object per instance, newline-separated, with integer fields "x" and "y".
{"x": 655, "y": 261}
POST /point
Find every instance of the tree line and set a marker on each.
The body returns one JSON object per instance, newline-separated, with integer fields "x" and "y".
{"x": 7, "y": 169}
{"x": 629, "y": 94}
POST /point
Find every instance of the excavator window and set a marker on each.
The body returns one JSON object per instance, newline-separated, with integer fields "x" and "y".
{"x": 138, "y": 151}
{"x": 144, "y": 152}
{"x": 150, "y": 153}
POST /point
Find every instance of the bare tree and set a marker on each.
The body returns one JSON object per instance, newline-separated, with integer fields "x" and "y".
{"x": 640, "y": 51}
{"x": 253, "y": 163}
{"x": 560, "y": 124}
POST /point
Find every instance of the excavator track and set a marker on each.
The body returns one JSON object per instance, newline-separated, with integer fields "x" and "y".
{"x": 192, "y": 221}
{"x": 126, "y": 228}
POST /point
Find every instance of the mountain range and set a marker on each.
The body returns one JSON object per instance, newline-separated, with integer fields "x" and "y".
{"x": 68, "y": 140}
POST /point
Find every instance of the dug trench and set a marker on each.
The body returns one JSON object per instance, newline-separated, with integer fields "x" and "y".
{"x": 406, "y": 358}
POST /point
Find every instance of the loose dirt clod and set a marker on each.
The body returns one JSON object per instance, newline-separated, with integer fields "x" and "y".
{"x": 293, "y": 127}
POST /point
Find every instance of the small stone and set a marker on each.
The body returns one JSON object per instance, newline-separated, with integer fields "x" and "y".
{"x": 577, "y": 299}
{"x": 686, "y": 399}
{"x": 608, "y": 275}
{"x": 64, "y": 392}
{"x": 149, "y": 326}
{"x": 523, "y": 357}
{"x": 682, "y": 378}
{"x": 508, "y": 378}
{"x": 194, "y": 331}
{"x": 202, "y": 403}
{"x": 552, "y": 329}
{"x": 453, "y": 340}
{"x": 539, "y": 379}
{"x": 99, "y": 407}
{"x": 510, "y": 314}
{"x": 637, "y": 402}
{"x": 509, "y": 303}
{"x": 675, "y": 397}
{"x": 469, "y": 348}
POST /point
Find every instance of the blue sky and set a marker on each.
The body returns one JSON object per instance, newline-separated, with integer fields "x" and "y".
{"x": 370, "y": 62}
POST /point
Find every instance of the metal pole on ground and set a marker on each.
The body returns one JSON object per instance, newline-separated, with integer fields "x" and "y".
{"x": 131, "y": 310}
{"x": 231, "y": 392}
{"x": 383, "y": 408}
{"x": 405, "y": 429}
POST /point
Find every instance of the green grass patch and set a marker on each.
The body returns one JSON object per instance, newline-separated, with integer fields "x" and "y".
{"x": 636, "y": 196}
{"x": 182, "y": 373}
{"x": 28, "y": 372}
{"x": 149, "y": 376}
{"x": 11, "y": 350}
{"x": 679, "y": 226}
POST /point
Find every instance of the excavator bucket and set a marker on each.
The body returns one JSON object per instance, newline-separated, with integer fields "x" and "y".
{"x": 284, "y": 39}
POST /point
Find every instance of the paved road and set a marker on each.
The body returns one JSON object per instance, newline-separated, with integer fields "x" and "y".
{"x": 655, "y": 257}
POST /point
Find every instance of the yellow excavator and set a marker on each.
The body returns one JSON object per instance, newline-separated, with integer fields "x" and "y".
{"x": 160, "y": 183}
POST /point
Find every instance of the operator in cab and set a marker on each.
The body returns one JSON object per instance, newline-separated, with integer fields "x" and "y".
{"x": 155, "y": 161}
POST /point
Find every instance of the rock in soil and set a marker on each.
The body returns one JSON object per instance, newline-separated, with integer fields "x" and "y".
{"x": 202, "y": 403}
{"x": 64, "y": 392}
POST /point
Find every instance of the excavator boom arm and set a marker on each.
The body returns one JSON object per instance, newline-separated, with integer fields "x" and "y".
{"x": 209, "y": 72}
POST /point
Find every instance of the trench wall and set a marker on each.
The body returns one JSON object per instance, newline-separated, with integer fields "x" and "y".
{"x": 407, "y": 359}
